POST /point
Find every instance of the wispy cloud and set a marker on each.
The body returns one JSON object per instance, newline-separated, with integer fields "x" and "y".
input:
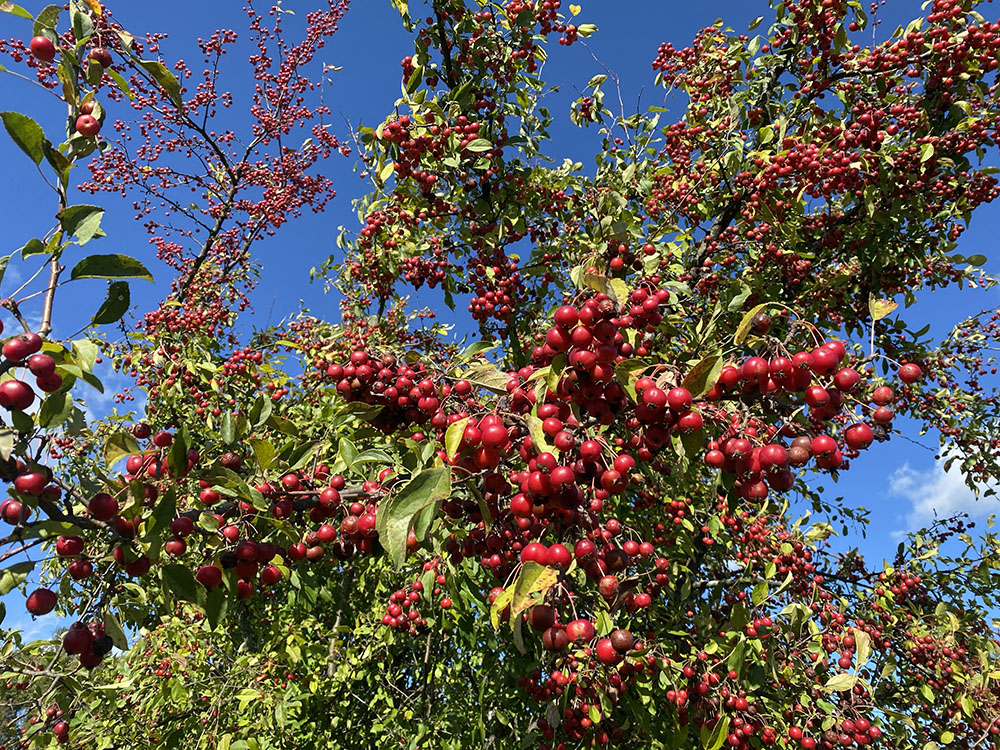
{"x": 935, "y": 493}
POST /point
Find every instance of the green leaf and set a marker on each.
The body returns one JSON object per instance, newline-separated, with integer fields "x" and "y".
{"x": 426, "y": 489}
{"x": 347, "y": 451}
{"x": 703, "y": 376}
{"x": 26, "y": 133}
{"x": 14, "y": 576}
{"x": 15, "y": 10}
{"x": 115, "y": 305}
{"x": 163, "y": 514}
{"x": 85, "y": 351}
{"x": 976, "y": 260}
{"x": 55, "y": 410}
{"x": 713, "y": 740}
{"x": 926, "y": 152}
{"x": 47, "y": 20}
{"x": 167, "y": 80}
{"x": 863, "y": 648}
{"x": 114, "y": 630}
{"x": 760, "y": 593}
{"x": 488, "y": 376}
{"x": 840, "y": 683}
{"x": 119, "y": 445}
{"x": 264, "y": 452}
{"x": 121, "y": 83}
{"x": 537, "y": 434}
{"x": 83, "y": 222}
{"x": 260, "y": 411}
{"x": 479, "y": 145}
{"x": 34, "y": 246}
{"x": 216, "y": 606}
{"x": 498, "y": 606}
{"x": 453, "y": 437}
{"x": 7, "y": 437}
{"x": 4, "y": 260}
{"x": 110, "y": 267}
{"x": 743, "y": 329}
{"x": 83, "y": 27}
{"x": 227, "y": 432}
{"x": 585, "y": 29}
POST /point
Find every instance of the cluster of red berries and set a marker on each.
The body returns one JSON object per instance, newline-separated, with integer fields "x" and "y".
{"x": 16, "y": 394}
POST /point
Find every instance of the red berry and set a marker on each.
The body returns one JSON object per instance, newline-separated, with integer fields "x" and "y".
{"x": 88, "y": 126}
{"x": 43, "y": 48}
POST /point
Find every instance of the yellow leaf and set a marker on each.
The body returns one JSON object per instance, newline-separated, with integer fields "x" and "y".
{"x": 879, "y": 308}
{"x": 95, "y": 6}
{"x": 574, "y": 9}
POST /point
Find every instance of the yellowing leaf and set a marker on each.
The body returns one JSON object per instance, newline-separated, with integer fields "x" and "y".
{"x": 575, "y": 10}
{"x": 879, "y": 308}
{"x": 744, "y": 327}
{"x": 531, "y": 580}
{"x": 95, "y": 6}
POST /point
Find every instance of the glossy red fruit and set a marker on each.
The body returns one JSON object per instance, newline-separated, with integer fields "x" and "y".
{"x": 80, "y": 570}
{"x": 102, "y": 506}
{"x": 606, "y": 653}
{"x": 541, "y": 617}
{"x": 175, "y": 547}
{"x": 535, "y": 552}
{"x": 77, "y": 639}
{"x": 773, "y": 456}
{"x": 494, "y": 435}
{"x": 858, "y": 436}
{"x": 41, "y": 602}
{"x": 42, "y": 48}
{"x": 607, "y": 586}
{"x": 590, "y": 450}
{"x": 558, "y": 557}
{"x": 679, "y": 399}
{"x": 209, "y": 576}
{"x": 847, "y": 379}
{"x": 22, "y": 346}
{"x": 755, "y": 370}
{"x": 101, "y": 56}
{"x": 182, "y": 526}
{"x": 824, "y": 361}
{"x": 49, "y": 383}
{"x": 655, "y": 399}
{"x": 566, "y": 316}
{"x": 823, "y": 445}
{"x": 16, "y": 395}
{"x": 69, "y": 546}
{"x": 883, "y": 415}
{"x": 581, "y": 631}
{"x": 162, "y": 439}
{"x": 41, "y": 365}
{"x": 88, "y": 126}
{"x": 555, "y": 640}
{"x": 270, "y": 575}
{"x": 584, "y": 550}
{"x": 32, "y": 483}
{"x": 910, "y": 373}
{"x": 883, "y": 395}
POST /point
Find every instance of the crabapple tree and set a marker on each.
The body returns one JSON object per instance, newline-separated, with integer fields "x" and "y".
{"x": 600, "y": 521}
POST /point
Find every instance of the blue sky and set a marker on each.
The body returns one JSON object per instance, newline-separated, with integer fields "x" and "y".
{"x": 899, "y": 481}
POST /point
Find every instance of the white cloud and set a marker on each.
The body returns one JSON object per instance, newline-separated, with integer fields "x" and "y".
{"x": 35, "y": 628}
{"x": 936, "y": 493}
